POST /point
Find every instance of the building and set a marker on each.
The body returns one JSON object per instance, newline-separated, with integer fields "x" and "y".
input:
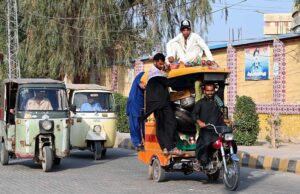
{"x": 274, "y": 90}
{"x": 296, "y": 19}
{"x": 277, "y": 23}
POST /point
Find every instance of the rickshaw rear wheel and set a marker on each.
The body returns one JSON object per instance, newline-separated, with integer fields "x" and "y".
{"x": 56, "y": 161}
{"x": 159, "y": 174}
{"x": 4, "y": 154}
{"x": 97, "y": 150}
{"x": 150, "y": 172}
{"x": 103, "y": 152}
{"x": 47, "y": 162}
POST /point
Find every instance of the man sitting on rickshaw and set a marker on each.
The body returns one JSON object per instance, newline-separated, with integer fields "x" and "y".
{"x": 187, "y": 47}
{"x": 39, "y": 102}
{"x": 91, "y": 105}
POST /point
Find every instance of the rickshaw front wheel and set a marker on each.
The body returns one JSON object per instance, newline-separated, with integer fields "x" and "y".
{"x": 97, "y": 150}
{"x": 47, "y": 162}
{"x": 4, "y": 154}
{"x": 159, "y": 174}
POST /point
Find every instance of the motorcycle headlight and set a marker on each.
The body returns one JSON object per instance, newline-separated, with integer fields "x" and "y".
{"x": 97, "y": 128}
{"x": 228, "y": 137}
{"x": 47, "y": 125}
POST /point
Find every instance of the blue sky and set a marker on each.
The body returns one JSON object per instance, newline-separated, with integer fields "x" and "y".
{"x": 244, "y": 15}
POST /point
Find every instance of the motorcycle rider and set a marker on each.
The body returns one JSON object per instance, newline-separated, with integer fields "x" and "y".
{"x": 206, "y": 111}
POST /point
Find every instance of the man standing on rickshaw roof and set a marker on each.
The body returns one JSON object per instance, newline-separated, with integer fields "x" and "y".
{"x": 187, "y": 47}
{"x": 135, "y": 105}
{"x": 158, "y": 102}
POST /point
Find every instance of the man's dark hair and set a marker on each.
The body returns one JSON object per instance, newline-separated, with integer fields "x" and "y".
{"x": 159, "y": 56}
{"x": 256, "y": 51}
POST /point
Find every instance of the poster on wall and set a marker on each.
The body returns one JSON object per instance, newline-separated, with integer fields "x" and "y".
{"x": 257, "y": 63}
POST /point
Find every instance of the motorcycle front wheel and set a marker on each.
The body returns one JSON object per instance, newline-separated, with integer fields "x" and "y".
{"x": 231, "y": 179}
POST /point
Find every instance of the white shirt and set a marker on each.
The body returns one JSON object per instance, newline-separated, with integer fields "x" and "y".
{"x": 187, "y": 52}
{"x": 154, "y": 72}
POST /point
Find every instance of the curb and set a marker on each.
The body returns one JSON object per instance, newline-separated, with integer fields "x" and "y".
{"x": 246, "y": 160}
{"x": 269, "y": 163}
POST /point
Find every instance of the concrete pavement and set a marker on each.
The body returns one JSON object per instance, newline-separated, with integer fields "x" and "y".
{"x": 286, "y": 158}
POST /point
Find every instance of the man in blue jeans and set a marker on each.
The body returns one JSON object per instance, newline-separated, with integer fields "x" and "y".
{"x": 135, "y": 105}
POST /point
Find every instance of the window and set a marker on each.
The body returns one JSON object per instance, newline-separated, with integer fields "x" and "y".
{"x": 93, "y": 101}
{"x": 37, "y": 99}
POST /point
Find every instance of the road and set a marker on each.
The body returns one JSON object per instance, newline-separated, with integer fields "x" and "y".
{"x": 121, "y": 172}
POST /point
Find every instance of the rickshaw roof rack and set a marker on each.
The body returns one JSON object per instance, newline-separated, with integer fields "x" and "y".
{"x": 32, "y": 81}
{"x": 86, "y": 87}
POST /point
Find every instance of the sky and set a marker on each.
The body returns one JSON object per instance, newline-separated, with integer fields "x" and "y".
{"x": 247, "y": 16}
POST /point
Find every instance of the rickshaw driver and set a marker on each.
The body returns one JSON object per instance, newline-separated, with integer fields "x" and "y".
{"x": 206, "y": 111}
{"x": 91, "y": 105}
{"x": 39, "y": 102}
{"x": 187, "y": 47}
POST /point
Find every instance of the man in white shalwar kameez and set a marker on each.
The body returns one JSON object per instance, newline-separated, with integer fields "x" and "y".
{"x": 187, "y": 47}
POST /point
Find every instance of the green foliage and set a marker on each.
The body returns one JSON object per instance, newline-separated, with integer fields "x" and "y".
{"x": 123, "y": 121}
{"x": 246, "y": 120}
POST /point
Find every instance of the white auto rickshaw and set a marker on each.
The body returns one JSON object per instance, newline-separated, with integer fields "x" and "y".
{"x": 34, "y": 117}
{"x": 94, "y": 123}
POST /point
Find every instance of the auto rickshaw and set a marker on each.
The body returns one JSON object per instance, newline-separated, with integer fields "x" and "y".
{"x": 94, "y": 123}
{"x": 185, "y": 87}
{"x": 34, "y": 121}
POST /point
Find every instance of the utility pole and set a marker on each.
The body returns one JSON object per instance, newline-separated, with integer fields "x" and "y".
{"x": 12, "y": 39}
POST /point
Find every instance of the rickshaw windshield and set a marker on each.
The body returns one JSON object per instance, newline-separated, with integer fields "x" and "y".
{"x": 41, "y": 99}
{"x": 93, "y": 102}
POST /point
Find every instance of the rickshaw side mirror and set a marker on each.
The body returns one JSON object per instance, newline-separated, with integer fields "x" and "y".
{"x": 73, "y": 108}
{"x": 117, "y": 108}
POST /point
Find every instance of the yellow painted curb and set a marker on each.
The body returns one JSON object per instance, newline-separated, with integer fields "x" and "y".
{"x": 267, "y": 162}
{"x": 283, "y": 165}
{"x": 297, "y": 169}
{"x": 253, "y": 160}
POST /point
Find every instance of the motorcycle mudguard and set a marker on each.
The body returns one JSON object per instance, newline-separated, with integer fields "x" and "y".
{"x": 234, "y": 157}
{"x": 93, "y": 136}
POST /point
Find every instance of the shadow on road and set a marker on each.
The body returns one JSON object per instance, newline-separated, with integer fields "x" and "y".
{"x": 77, "y": 159}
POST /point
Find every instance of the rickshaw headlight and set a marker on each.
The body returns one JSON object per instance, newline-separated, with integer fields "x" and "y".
{"x": 97, "y": 128}
{"x": 228, "y": 137}
{"x": 47, "y": 125}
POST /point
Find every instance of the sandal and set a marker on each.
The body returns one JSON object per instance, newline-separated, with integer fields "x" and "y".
{"x": 176, "y": 151}
{"x": 140, "y": 147}
{"x": 165, "y": 151}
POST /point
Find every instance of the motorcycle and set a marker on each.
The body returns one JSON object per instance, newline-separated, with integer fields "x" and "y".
{"x": 223, "y": 159}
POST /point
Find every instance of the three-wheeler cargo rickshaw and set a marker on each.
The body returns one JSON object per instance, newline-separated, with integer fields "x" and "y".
{"x": 185, "y": 88}
{"x": 94, "y": 123}
{"x": 34, "y": 121}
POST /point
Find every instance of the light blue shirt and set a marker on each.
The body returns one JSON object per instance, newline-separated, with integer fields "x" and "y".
{"x": 87, "y": 107}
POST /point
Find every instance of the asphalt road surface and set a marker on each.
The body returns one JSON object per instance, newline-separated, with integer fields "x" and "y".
{"x": 121, "y": 172}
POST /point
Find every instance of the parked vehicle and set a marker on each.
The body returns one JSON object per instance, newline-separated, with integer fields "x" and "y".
{"x": 222, "y": 158}
{"x": 34, "y": 121}
{"x": 94, "y": 124}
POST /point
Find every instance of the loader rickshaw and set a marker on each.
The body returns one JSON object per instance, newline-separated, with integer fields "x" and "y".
{"x": 94, "y": 123}
{"x": 34, "y": 121}
{"x": 222, "y": 158}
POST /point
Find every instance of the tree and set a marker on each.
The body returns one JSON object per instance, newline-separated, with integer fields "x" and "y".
{"x": 77, "y": 37}
{"x": 246, "y": 120}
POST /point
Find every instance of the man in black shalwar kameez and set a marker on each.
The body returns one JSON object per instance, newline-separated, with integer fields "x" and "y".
{"x": 158, "y": 102}
{"x": 207, "y": 111}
